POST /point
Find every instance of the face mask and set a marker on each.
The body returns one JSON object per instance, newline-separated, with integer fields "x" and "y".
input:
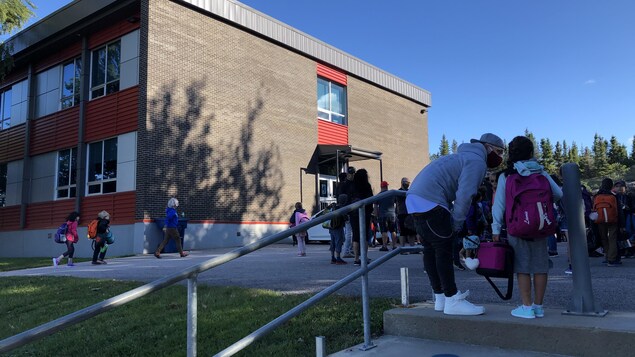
{"x": 405, "y": 185}
{"x": 493, "y": 160}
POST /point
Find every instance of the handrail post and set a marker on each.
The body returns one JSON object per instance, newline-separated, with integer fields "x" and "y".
{"x": 363, "y": 243}
{"x": 192, "y": 310}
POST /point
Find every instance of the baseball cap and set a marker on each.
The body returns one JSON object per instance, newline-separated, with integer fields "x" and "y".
{"x": 351, "y": 170}
{"x": 384, "y": 184}
{"x": 489, "y": 138}
{"x": 620, "y": 183}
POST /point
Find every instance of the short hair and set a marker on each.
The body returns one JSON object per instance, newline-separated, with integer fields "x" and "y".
{"x": 173, "y": 202}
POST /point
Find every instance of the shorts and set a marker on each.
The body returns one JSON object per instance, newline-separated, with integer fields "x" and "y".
{"x": 530, "y": 256}
{"x": 387, "y": 224}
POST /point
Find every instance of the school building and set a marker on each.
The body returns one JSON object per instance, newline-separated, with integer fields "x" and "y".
{"x": 119, "y": 105}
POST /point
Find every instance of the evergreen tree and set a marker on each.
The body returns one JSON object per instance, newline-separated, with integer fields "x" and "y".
{"x": 600, "y": 160}
{"x": 586, "y": 164}
{"x": 13, "y": 15}
{"x": 617, "y": 152}
{"x": 444, "y": 148}
{"x": 565, "y": 151}
{"x": 633, "y": 151}
{"x": 531, "y": 137}
{"x": 547, "y": 159}
{"x": 558, "y": 156}
{"x": 455, "y": 146}
{"x": 574, "y": 154}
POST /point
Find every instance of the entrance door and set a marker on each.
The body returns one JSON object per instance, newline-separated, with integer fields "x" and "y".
{"x": 326, "y": 185}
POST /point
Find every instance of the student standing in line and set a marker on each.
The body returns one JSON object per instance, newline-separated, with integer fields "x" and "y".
{"x": 439, "y": 199}
{"x": 71, "y": 238}
{"x": 530, "y": 253}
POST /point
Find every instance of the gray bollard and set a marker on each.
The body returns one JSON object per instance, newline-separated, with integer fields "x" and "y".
{"x": 320, "y": 346}
{"x": 405, "y": 288}
{"x": 582, "y": 301}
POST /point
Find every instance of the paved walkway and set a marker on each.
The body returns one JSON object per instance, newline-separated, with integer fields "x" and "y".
{"x": 278, "y": 268}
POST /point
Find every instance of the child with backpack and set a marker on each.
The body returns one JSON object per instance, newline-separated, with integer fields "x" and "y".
{"x": 608, "y": 220}
{"x": 71, "y": 238}
{"x": 525, "y": 203}
{"x": 103, "y": 238}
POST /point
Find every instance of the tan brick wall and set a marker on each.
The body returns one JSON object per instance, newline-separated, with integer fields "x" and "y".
{"x": 383, "y": 121}
{"x": 230, "y": 118}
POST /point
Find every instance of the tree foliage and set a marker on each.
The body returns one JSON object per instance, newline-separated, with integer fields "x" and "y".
{"x": 13, "y": 15}
{"x": 444, "y": 148}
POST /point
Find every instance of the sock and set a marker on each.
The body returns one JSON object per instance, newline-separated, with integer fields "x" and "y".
{"x": 527, "y": 307}
{"x": 534, "y": 305}
{"x": 59, "y": 259}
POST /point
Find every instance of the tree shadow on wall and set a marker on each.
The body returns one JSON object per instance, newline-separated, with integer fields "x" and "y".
{"x": 211, "y": 164}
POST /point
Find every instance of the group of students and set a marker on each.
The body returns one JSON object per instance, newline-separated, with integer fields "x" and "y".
{"x": 103, "y": 237}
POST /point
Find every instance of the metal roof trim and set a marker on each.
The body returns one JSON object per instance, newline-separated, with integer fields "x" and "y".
{"x": 269, "y": 27}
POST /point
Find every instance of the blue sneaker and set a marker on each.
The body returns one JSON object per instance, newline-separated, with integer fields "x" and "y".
{"x": 538, "y": 311}
{"x": 524, "y": 312}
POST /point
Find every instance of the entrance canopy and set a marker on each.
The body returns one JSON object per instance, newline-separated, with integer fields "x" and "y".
{"x": 338, "y": 153}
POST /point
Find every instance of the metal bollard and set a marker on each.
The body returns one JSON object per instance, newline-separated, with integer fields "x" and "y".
{"x": 405, "y": 288}
{"x": 582, "y": 301}
{"x": 320, "y": 346}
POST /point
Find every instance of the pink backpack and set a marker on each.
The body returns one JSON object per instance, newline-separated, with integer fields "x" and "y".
{"x": 299, "y": 219}
{"x": 529, "y": 209}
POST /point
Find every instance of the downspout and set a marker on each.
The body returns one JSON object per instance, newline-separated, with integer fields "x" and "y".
{"x": 26, "y": 163}
{"x": 80, "y": 170}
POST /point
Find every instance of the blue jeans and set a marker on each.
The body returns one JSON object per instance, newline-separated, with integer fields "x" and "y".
{"x": 337, "y": 239}
{"x": 437, "y": 238}
{"x": 552, "y": 244}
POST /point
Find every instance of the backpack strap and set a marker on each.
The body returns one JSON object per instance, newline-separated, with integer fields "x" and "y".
{"x": 510, "y": 287}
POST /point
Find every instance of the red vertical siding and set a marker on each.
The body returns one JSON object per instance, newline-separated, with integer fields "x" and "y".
{"x": 331, "y": 133}
{"x": 113, "y": 114}
{"x": 12, "y": 143}
{"x": 121, "y": 207}
{"x": 9, "y": 218}
{"x": 55, "y": 131}
{"x": 332, "y": 74}
{"x": 48, "y": 214}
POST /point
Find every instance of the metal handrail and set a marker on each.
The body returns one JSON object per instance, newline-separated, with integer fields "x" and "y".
{"x": 191, "y": 274}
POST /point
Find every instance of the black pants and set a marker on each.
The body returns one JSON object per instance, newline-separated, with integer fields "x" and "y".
{"x": 435, "y": 229}
{"x": 97, "y": 252}
{"x": 70, "y": 249}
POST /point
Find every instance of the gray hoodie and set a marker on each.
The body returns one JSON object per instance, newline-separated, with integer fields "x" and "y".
{"x": 453, "y": 178}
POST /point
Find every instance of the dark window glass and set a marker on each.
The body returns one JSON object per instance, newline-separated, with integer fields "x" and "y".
{"x": 94, "y": 161}
{"x": 110, "y": 187}
{"x": 110, "y": 158}
{"x": 94, "y": 188}
{"x": 62, "y": 193}
{"x": 63, "y": 168}
{"x": 114, "y": 58}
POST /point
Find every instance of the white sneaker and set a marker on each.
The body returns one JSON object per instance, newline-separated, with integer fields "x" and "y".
{"x": 457, "y": 305}
{"x": 439, "y": 302}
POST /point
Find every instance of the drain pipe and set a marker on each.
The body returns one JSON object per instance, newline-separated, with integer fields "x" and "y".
{"x": 582, "y": 301}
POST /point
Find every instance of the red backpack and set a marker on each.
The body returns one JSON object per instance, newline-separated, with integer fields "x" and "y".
{"x": 92, "y": 229}
{"x": 529, "y": 209}
{"x": 605, "y": 204}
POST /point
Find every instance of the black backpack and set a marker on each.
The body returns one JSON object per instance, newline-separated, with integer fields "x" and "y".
{"x": 338, "y": 221}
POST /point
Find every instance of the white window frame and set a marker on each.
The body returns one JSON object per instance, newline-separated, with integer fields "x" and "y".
{"x": 330, "y": 113}
{"x": 3, "y": 105}
{"x": 76, "y": 84}
{"x": 101, "y": 181}
{"x": 71, "y": 168}
{"x": 104, "y": 85}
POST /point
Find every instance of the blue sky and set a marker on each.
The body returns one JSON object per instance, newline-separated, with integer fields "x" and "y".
{"x": 564, "y": 69}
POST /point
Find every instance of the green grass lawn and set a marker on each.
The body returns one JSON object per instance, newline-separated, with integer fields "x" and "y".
{"x": 155, "y": 325}
{"x": 7, "y": 264}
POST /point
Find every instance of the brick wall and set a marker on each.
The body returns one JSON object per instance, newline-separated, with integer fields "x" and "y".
{"x": 382, "y": 121}
{"x": 230, "y": 118}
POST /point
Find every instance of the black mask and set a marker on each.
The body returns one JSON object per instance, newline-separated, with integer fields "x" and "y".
{"x": 405, "y": 186}
{"x": 493, "y": 160}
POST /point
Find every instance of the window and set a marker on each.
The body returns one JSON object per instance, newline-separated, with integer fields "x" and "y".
{"x": 331, "y": 101}
{"x": 102, "y": 167}
{"x": 71, "y": 74}
{"x": 66, "y": 172}
{"x": 3, "y": 184}
{"x": 105, "y": 70}
{"x": 5, "y": 109}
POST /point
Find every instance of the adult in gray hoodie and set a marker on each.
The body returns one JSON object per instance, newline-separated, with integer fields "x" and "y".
{"x": 439, "y": 199}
